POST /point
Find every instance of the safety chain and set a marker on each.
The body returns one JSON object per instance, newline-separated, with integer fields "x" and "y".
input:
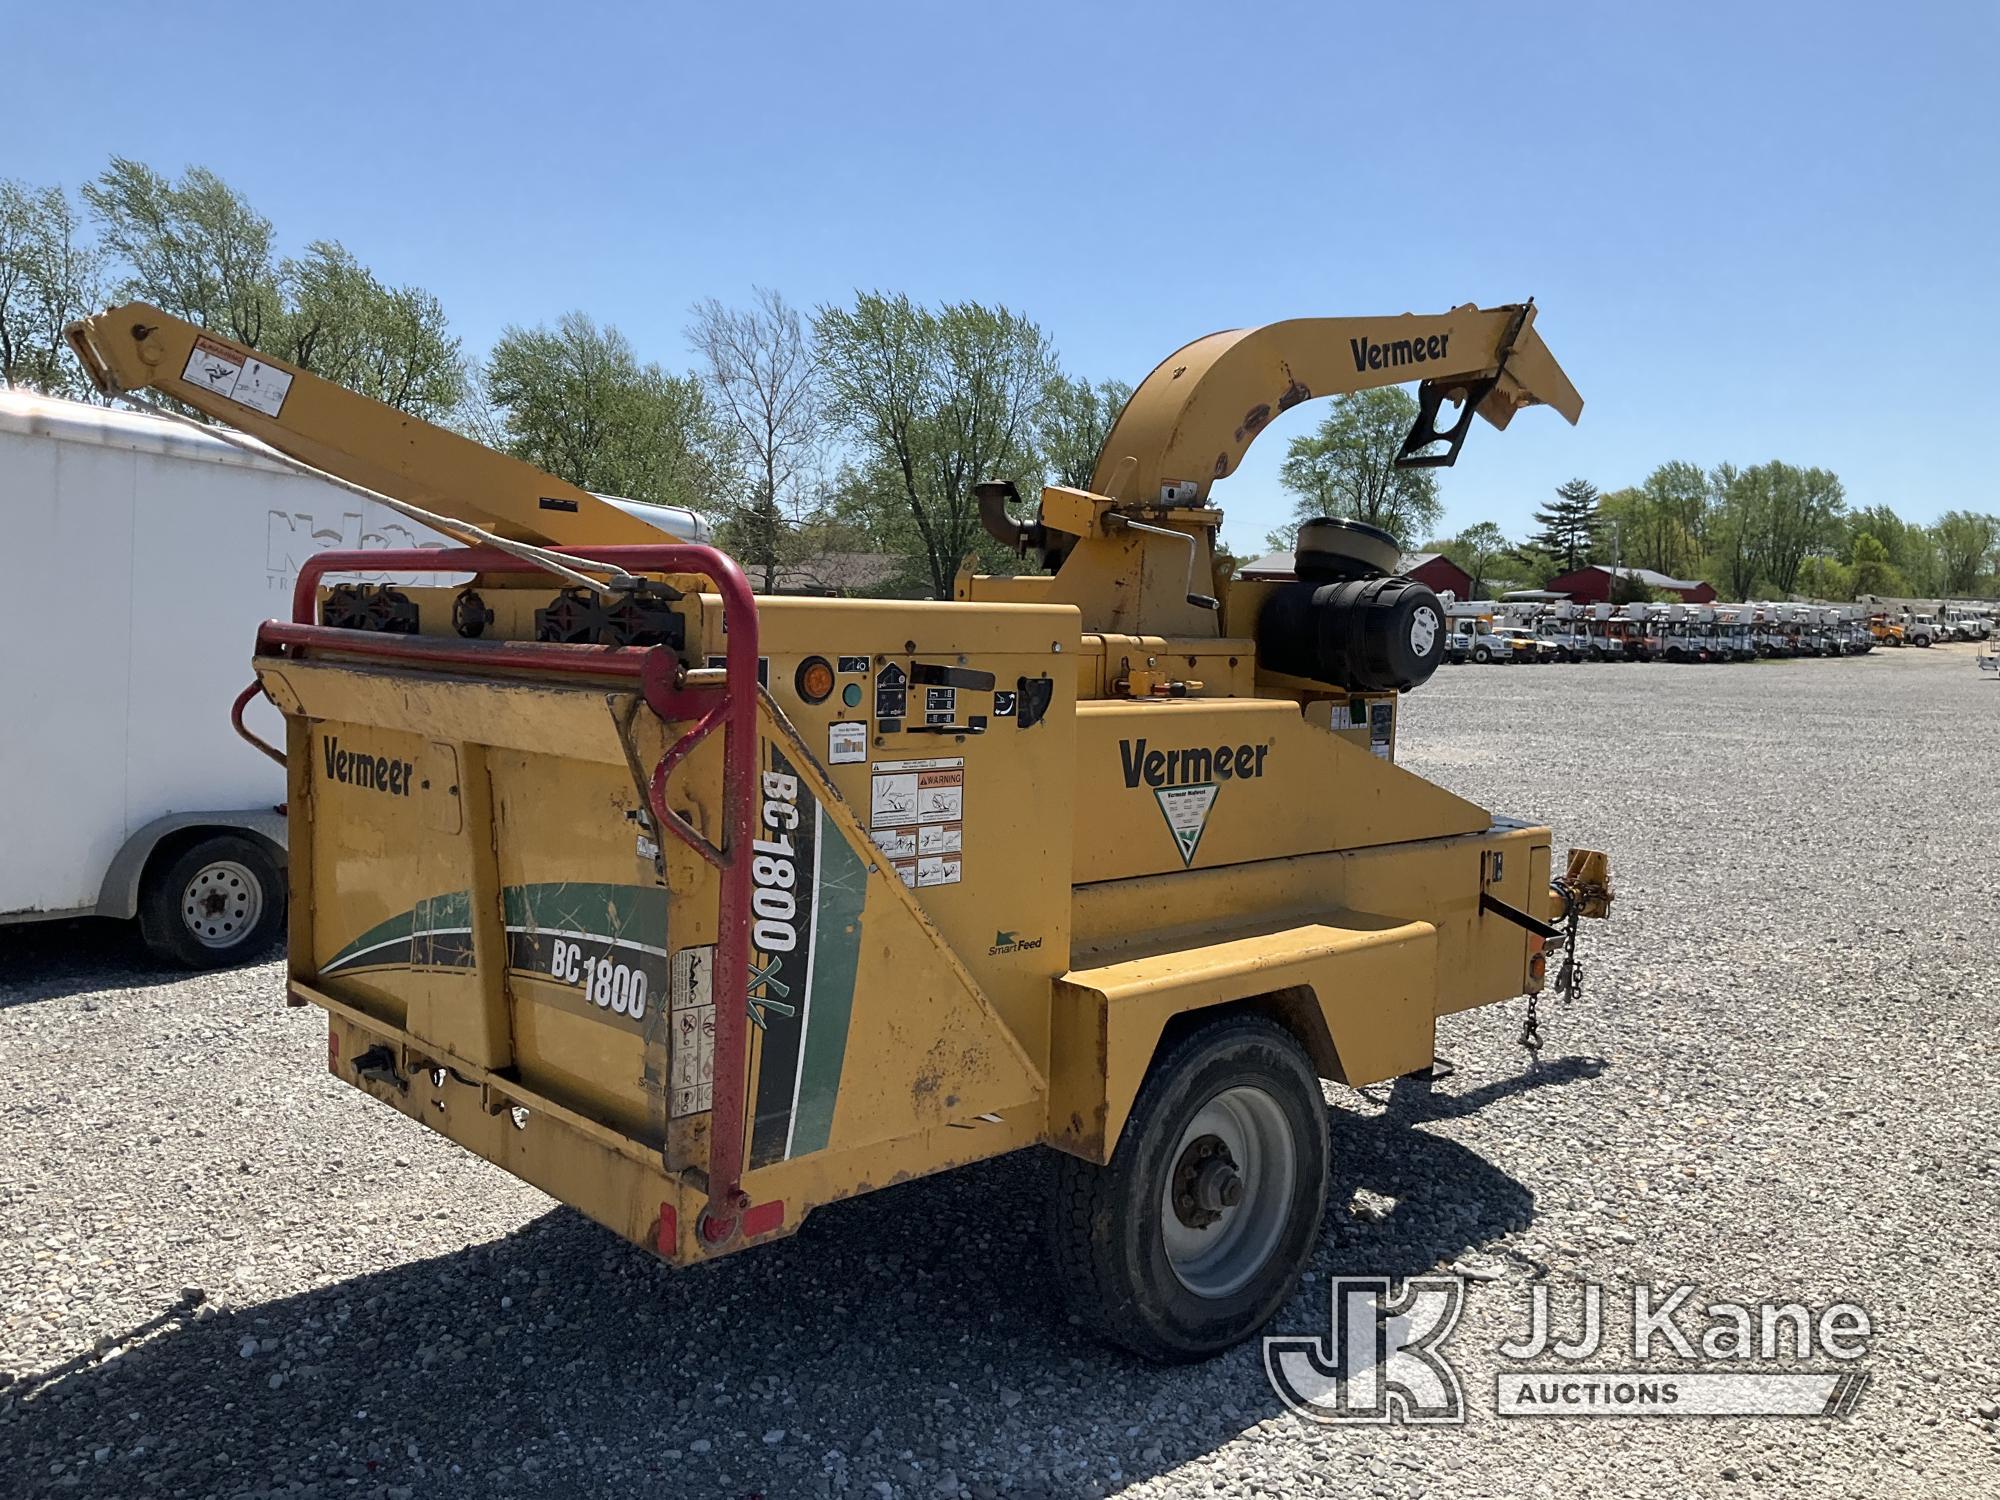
{"x": 1569, "y": 978}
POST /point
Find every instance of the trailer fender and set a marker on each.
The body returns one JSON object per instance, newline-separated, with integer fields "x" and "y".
{"x": 119, "y": 894}
{"x": 1360, "y": 991}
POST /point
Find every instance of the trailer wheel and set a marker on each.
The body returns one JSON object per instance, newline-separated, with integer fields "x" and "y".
{"x": 219, "y": 901}
{"x": 1197, "y": 1230}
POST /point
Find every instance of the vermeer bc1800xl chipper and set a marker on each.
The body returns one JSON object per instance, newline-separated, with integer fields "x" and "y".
{"x": 698, "y": 911}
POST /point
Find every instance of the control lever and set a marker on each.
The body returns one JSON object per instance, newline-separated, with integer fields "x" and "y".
{"x": 1199, "y": 601}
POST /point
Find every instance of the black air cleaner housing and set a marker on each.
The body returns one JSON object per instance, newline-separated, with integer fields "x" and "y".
{"x": 1349, "y": 621}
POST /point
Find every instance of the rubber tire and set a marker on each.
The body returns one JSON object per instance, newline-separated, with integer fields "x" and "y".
{"x": 1482, "y": 656}
{"x": 167, "y": 936}
{"x": 1110, "y": 1258}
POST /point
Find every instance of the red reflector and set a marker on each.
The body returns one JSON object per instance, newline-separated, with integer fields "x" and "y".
{"x": 762, "y": 1218}
{"x": 669, "y": 1229}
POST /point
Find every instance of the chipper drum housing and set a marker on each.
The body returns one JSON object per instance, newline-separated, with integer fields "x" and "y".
{"x": 699, "y": 910}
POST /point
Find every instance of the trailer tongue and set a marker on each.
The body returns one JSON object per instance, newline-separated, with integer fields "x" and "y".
{"x": 699, "y": 911}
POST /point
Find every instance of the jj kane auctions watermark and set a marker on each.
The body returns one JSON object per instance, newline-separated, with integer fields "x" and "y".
{"x": 1383, "y": 1356}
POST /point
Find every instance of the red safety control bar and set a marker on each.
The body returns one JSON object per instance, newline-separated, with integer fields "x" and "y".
{"x": 730, "y": 706}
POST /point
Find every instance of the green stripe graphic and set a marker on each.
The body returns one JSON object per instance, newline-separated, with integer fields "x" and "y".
{"x": 842, "y": 889}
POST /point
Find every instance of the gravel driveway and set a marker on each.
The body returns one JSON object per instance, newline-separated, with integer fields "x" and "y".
{"x": 222, "y": 1273}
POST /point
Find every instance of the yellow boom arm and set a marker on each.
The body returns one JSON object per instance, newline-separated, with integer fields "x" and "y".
{"x": 136, "y": 346}
{"x": 1191, "y": 420}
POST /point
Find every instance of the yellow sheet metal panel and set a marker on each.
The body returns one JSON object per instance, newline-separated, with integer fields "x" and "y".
{"x": 1374, "y": 981}
{"x": 1205, "y": 668}
{"x": 1193, "y": 784}
{"x": 968, "y": 790}
{"x": 1136, "y": 582}
{"x": 1481, "y": 958}
{"x": 621, "y": 1190}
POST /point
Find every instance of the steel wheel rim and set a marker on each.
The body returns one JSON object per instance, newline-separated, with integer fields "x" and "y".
{"x": 1221, "y": 1258}
{"x": 221, "y": 903}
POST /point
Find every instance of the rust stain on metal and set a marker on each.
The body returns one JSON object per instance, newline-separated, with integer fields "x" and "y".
{"x": 1294, "y": 393}
{"x": 1253, "y": 421}
{"x": 1221, "y": 464}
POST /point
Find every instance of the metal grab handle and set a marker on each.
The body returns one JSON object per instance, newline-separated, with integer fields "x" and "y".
{"x": 735, "y": 712}
{"x": 236, "y": 722}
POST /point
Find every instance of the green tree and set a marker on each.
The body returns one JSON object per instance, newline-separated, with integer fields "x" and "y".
{"x": 1532, "y": 565}
{"x": 196, "y": 248}
{"x": 1347, "y": 466}
{"x": 1770, "y": 519}
{"x": 1736, "y": 525}
{"x": 1825, "y": 578}
{"x": 1662, "y": 524}
{"x": 1074, "y": 420}
{"x": 1965, "y": 541}
{"x": 936, "y": 402}
{"x": 1806, "y": 509}
{"x": 1887, "y": 528}
{"x": 388, "y": 343}
{"x": 1870, "y": 569}
{"x": 765, "y": 380}
{"x": 1477, "y": 549}
{"x": 48, "y": 277}
{"x": 576, "y": 401}
{"x": 1569, "y": 525}
{"x": 1923, "y": 563}
{"x": 1622, "y": 522}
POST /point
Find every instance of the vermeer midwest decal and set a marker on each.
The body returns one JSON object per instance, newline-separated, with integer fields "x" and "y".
{"x": 805, "y": 946}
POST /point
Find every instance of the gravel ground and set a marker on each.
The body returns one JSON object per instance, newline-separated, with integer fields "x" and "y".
{"x": 222, "y": 1273}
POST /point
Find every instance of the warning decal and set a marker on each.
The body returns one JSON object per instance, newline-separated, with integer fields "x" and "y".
{"x": 693, "y": 1045}
{"x": 241, "y": 377}
{"x": 916, "y": 815}
{"x": 1186, "y": 811}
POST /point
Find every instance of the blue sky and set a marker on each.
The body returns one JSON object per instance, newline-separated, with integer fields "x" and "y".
{"x": 1754, "y": 231}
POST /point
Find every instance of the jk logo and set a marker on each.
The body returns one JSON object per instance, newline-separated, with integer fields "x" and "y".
{"x": 1379, "y": 1360}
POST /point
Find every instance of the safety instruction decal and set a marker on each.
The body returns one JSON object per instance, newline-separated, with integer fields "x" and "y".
{"x": 916, "y": 815}
{"x": 691, "y": 1069}
{"x": 892, "y": 692}
{"x": 1381, "y": 726}
{"x": 241, "y": 377}
{"x": 1186, "y": 810}
{"x": 846, "y": 744}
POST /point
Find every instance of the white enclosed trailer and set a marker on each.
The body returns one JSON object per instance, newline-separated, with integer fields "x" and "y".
{"x": 140, "y": 556}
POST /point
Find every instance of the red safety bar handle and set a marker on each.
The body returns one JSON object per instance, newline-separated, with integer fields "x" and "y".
{"x": 734, "y": 711}
{"x": 236, "y": 721}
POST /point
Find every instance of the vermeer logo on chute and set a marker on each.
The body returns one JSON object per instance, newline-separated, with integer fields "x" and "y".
{"x": 1369, "y": 355}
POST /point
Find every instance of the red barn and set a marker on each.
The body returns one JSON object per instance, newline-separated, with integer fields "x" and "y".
{"x": 1592, "y": 585}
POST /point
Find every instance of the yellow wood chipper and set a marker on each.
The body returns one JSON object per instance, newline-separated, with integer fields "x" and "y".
{"x": 699, "y": 910}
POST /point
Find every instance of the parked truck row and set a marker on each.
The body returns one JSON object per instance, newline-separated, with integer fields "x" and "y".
{"x": 1489, "y": 632}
